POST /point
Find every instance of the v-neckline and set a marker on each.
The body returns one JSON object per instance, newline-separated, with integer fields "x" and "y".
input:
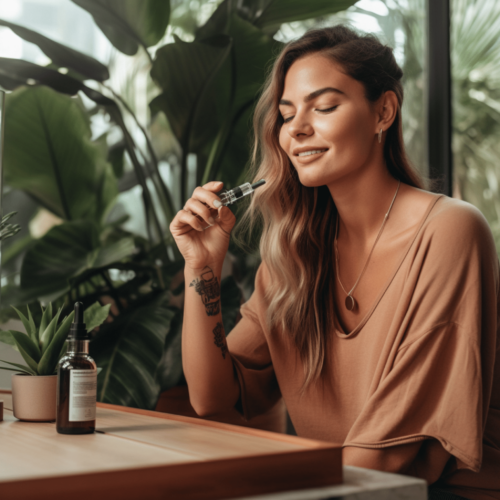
{"x": 338, "y": 327}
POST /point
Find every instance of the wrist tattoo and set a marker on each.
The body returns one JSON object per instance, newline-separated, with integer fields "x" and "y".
{"x": 220, "y": 338}
{"x": 208, "y": 288}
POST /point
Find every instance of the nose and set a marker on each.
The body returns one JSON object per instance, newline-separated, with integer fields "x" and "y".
{"x": 300, "y": 125}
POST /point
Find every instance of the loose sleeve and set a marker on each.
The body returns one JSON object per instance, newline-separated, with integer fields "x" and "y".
{"x": 249, "y": 350}
{"x": 439, "y": 381}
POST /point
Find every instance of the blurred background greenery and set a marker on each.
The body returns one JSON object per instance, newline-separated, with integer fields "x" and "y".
{"x": 103, "y": 146}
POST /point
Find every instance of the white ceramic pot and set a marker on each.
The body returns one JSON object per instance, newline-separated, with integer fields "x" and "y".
{"x": 34, "y": 397}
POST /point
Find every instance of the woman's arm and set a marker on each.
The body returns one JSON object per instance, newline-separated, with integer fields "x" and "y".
{"x": 208, "y": 367}
{"x": 203, "y": 240}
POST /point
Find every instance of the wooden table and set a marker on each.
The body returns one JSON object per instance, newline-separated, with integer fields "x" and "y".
{"x": 138, "y": 454}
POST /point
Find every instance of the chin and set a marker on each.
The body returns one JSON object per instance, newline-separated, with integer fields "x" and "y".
{"x": 310, "y": 180}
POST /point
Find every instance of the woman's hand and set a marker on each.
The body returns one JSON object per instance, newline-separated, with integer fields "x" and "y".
{"x": 203, "y": 247}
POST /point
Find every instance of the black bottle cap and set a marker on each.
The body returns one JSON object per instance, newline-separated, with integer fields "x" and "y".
{"x": 78, "y": 330}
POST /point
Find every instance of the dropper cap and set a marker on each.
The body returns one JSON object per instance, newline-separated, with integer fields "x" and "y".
{"x": 78, "y": 330}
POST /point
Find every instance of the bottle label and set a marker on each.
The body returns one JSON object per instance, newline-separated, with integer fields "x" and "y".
{"x": 82, "y": 395}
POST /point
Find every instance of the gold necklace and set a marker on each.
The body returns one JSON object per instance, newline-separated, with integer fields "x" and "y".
{"x": 350, "y": 303}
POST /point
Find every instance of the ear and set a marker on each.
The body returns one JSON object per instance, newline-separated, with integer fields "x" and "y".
{"x": 387, "y": 108}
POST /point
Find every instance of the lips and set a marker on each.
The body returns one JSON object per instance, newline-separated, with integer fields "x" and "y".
{"x": 308, "y": 151}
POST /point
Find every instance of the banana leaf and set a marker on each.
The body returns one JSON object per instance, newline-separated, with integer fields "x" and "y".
{"x": 49, "y": 154}
{"x": 25, "y": 73}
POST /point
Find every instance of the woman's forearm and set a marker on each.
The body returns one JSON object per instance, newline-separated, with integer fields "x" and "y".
{"x": 208, "y": 367}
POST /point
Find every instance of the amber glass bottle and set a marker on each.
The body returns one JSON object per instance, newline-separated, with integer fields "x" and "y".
{"x": 76, "y": 382}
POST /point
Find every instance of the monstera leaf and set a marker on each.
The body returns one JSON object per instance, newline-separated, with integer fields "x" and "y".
{"x": 129, "y": 350}
{"x": 65, "y": 252}
{"x": 49, "y": 155}
{"x": 129, "y": 23}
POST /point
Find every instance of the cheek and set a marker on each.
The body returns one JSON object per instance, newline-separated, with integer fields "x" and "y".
{"x": 346, "y": 128}
{"x": 284, "y": 140}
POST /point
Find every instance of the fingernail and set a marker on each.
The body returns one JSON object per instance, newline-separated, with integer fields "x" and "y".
{"x": 217, "y": 204}
{"x": 211, "y": 220}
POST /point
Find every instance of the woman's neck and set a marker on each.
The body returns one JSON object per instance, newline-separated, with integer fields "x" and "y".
{"x": 362, "y": 200}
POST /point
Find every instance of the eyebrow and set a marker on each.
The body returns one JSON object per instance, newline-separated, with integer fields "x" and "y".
{"x": 313, "y": 95}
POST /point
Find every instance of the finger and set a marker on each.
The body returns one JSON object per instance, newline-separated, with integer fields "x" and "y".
{"x": 226, "y": 219}
{"x": 184, "y": 222}
{"x": 208, "y": 196}
{"x": 199, "y": 208}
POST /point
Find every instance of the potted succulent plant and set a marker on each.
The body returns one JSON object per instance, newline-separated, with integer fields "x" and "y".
{"x": 34, "y": 384}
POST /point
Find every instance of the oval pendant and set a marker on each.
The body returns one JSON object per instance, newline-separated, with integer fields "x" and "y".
{"x": 350, "y": 303}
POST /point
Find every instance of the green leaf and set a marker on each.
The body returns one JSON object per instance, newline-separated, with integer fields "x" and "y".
{"x": 169, "y": 371}
{"x": 55, "y": 350}
{"x": 129, "y": 23}
{"x": 61, "y": 55}
{"x": 195, "y": 63}
{"x": 252, "y": 54}
{"x": 65, "y": 252}
{"x": 24, "y": 72}
{"x": 95, "y": 315}
{"x": 46, "y": 336}
{"x": 7, "y": 338}
{"x": 276, "y": 12}
{"x": 22, "y": 368}
{"x": 34, "y": 329}
{"x": 28, "y": 349}
{"x": 129, "y": 350}
{"x": 45, "y": 133}
{"x": 46, "y": 318}
{"x": 29, "y": 324}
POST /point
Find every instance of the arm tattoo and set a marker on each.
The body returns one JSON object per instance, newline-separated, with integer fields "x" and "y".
{"x": 207, "y": 287}
{"x": 220, "y": 338}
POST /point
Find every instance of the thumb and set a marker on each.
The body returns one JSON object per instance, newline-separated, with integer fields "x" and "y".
{"x": 226, "y": 219}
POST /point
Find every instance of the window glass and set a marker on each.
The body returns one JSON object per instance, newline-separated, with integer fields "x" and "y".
{"x": 475, "y": 63}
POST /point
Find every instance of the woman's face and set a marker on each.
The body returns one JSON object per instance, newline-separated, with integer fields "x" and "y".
{"x": 329, "y": 128}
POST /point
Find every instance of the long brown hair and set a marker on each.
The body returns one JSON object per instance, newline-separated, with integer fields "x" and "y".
{"x": 298, "y": 222}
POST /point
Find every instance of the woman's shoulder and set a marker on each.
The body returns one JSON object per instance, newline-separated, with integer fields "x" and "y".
{"x": 454, "y": 218}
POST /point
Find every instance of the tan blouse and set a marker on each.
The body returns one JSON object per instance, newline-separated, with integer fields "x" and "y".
{"x": 423, "y": 364}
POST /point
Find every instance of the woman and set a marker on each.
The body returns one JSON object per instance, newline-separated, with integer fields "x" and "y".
{"x": 380, "y": 332}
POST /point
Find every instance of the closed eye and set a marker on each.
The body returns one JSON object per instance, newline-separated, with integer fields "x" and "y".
{"x": 327, "y": 110}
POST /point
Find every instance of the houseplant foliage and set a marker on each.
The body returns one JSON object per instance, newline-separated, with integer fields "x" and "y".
{"x": 43, "y": 345}
{"x": 206, "y": 88}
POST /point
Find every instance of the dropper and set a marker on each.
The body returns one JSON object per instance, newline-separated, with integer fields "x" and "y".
{"x": 229, "y": 197}
{"x": 78, "y": 330}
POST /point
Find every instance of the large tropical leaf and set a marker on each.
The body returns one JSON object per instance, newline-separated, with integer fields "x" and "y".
{"x": 61, "y": 55}
{"x": 195, "y": 64}
{"x": 65, "y": 252}
{"x": 49, "y": 154}
{"x": 276, "y": 12}
{"x": 129, "y": 350}
{"x": 270, "y": 13}
{"x": 252, "y": 53}
{"x": 130, "y": 23}
{"x": 18, "y": 72}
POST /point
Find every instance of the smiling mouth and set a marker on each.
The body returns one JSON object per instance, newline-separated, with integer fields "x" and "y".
{"x": 313, "y": 152}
